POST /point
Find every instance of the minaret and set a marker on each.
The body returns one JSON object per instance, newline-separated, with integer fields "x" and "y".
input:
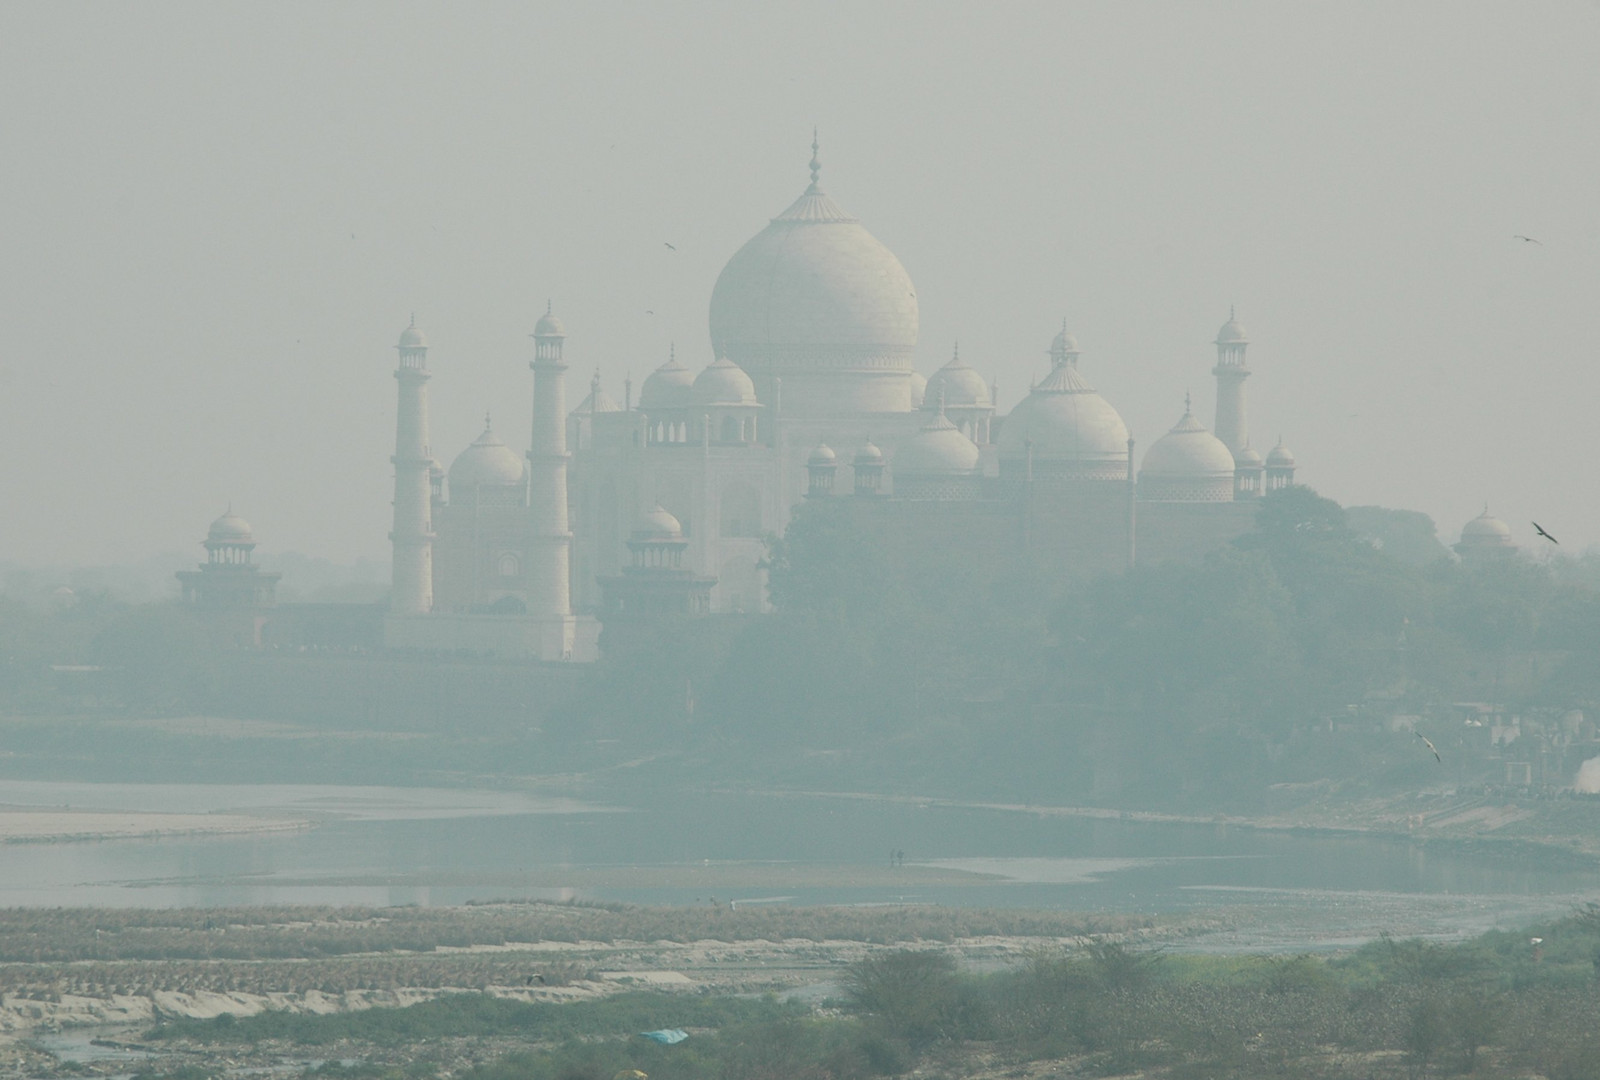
{"x": 550, "y": 540}
{"x": 412, "y": 591}
{"x": 1232, "y": 425}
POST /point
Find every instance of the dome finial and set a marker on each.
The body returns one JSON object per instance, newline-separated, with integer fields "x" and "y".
{"x": 413, "y": 321}
{"x": 488, "y": 424}
{"x": 1188, "y": 402}
{"x": 672, "y": 352}
{"x": 816, "y": 164}
{"x": 1064, "y": 349}
{"x": 548, "y": 308}
{"x": 955, "y": 357}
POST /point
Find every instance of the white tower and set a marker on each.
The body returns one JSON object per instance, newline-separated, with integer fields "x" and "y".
{"x": 550, "y": 540}
{"x": 1232, "y": 425}
{"x": 412, "y": 537}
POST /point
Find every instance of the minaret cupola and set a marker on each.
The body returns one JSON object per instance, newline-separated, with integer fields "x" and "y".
{"x": 821, "y": 468}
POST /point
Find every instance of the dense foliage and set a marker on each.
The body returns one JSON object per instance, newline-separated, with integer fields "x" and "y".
{"x": 1198, "y": 685}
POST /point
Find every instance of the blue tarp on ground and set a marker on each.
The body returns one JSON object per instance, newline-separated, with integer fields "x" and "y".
{"x": 666, "y": 1036}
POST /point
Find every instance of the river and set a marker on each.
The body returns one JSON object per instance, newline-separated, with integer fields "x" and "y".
{"x": 386, "y": 846}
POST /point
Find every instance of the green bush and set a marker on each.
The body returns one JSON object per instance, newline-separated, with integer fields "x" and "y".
{"x": 915, "y": 997}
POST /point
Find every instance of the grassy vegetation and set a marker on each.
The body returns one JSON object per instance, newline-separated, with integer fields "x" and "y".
{"x": 1503, "y": 1005}
{"x": 45, "y": 954}
{"x": 34, "y": 935}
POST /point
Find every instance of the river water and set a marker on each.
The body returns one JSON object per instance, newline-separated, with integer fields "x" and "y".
{"x": 391, "y": 846}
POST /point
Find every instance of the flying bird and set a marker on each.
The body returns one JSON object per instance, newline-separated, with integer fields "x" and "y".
{"x": 1429, "y": 744}
{"x": 647, "y": 311}
{"x": 1540, "y": 530}
{"x": 1528, "y": 240}
{"x": 670, "y": 247}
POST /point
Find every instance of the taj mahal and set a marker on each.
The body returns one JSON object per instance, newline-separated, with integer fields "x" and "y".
{"x": 662, "y": 505}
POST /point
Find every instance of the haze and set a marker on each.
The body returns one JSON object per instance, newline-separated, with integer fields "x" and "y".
{"x": 218, "y": 218}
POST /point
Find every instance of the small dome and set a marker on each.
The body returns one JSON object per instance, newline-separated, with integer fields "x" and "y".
{"x": 669, "y": 386}
{"x": 957, "y": 385}
{"x": 658, "y": 524}
{"x": 1188, "y": 451}
{"x": 488, "y": 462}
{"x": 919, "y": 389}
{"x": 869, "y": 455}
{"x": 1247, "y": 458}
{"x": 1486, "y": 530}
{"x": 939, "y": 449}
{"x": 548, "y": 325}
{"x": 597, "y": 401}
{"x": 1280, "y": 457}
{"x": 724, "y": 383}
{"x": 230, "y": 528}
{"x": 1063, "y": 342}
{"x": 822, "y": 455}
{"x": 1065, "y": 422}
{"x": 1232, "y": 333}
{"x": 412, "y": 338}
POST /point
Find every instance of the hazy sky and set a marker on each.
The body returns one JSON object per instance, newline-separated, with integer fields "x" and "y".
{"x": 217, "y": 218}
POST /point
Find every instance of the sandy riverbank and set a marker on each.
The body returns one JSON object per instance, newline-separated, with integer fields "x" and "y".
{"x": 24, "y": 826}
{"x": 1564, "y": 828}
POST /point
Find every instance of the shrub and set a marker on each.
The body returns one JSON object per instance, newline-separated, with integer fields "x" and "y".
{"x": 913, "y": 996}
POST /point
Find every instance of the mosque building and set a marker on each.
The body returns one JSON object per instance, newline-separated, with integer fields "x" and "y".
{"x": 664, "y": 504}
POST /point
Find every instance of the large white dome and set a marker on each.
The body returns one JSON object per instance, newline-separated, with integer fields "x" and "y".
{"x": 818, "y": 301}
{"x": 1069, "y": 430}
